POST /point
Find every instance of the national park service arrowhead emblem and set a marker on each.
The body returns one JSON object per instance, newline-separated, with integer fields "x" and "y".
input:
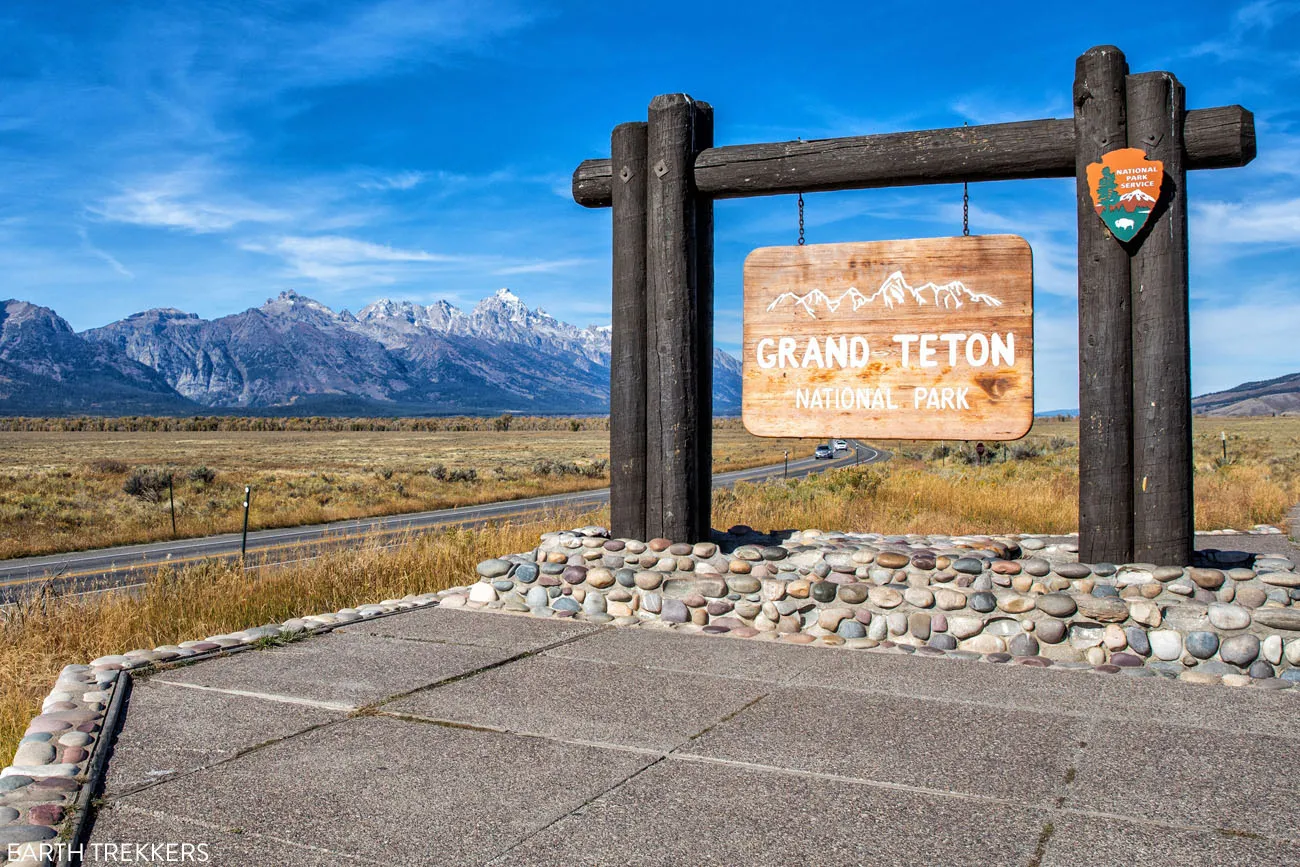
{"x": 1125, "y": 186}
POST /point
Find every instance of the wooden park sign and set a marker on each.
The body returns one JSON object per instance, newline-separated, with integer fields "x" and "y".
{"x": 922, "y": 339}
{"x": 1135, "y": 442}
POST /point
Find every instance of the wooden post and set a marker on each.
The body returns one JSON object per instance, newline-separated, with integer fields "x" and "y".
{"x": 1162, "y": 393}
{"x": 627, "y": 373}
{"x": 704, "y": 335}
{"x": 1105, "y": 336}
{"x": 672, "y": 402}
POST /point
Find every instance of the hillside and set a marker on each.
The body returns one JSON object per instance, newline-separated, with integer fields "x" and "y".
{"x": 1280, "y": 396}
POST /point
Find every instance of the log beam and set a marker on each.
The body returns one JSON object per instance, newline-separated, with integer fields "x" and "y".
{"x": 1215, "y": 138}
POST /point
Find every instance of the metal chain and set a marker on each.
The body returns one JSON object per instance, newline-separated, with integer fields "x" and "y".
{"x": 801, "y": 241}
{"x": 965, "y": 203}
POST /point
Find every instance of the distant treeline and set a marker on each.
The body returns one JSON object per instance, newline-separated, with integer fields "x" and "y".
{"x": 164, "y": 424}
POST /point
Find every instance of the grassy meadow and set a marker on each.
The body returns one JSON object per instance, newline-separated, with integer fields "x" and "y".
{"x": 64, "y": 490}
{"x": 928, "y": 487}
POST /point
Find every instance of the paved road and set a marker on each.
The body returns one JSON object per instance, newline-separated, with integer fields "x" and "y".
{"x": 126, "y": 565}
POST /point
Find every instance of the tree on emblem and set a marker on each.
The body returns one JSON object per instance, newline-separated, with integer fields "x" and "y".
{"x": 1108, "y": 190}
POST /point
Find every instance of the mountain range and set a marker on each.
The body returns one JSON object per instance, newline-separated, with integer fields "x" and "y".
{"x": 294, "y": 355}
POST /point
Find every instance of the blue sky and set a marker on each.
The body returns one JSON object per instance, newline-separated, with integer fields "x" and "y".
{"x": 209, "y": 155}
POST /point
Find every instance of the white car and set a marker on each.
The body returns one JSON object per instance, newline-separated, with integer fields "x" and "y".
{"x": 840, "y": 445}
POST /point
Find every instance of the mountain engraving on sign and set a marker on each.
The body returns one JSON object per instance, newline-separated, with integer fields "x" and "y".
{"x": 948, "y": 358}
{"x": 895, "y": 290}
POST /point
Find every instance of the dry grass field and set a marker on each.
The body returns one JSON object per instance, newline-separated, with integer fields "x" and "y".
{"x": 64, "y": 491}
{"x": 925, "y": 489}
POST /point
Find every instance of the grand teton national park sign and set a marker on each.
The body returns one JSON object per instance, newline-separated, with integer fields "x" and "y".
{"x": 917, "y": 339}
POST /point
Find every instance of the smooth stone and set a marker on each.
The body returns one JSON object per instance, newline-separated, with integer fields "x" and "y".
{"x": 743, "y": 583}
{"x": 16, "y": 834}
{"x": 991, "y": 644}
{"x": 674, "y": 611}
{"x": 1057, "y": 605}
{"x": 884, "y": 597}
{"x": 1113, "y": 637}
{"x": 852, "y": 594}
{"x": 965, "y": 627}
{"x": 1137, "y": 640}
{"x": 967, "y": 565}
{"x": 949, "y": 600}
{"x": 14, "y": 782}
{"x": 1279, "y": 618}
{"x": 1166, "y": 644}
{"x": 824, "y": 591}
{"x": 1271, "y": 649}
{"x": 1125, "y": 660}
{"x": 1023, "y": 644}
{"x": 1280, "y": 579}
{"x": 1165, "y": 574}
{"x": 1003, "y": 626}
{"x": 1228, "y": 616}
{"x": 918, "y": 624}
{"x": 943, "y": 642}
{"x": 892, "y": 560}
{"x": 1105, "y": 591}
{"x": 849, "y": 629}
{"x": 1073, "y": 570}
{"x": 1050, "y": 631}
{"x": 574, "y": 574}
{"x": 983, "y": 602}
{"x": 1146, "y": 613}
{"x": 1249, "y": 596}
{"x": 482, "y": 592}
{"x": 7, "y": 815}
{"x": 1261, "y": 670}
{"x": 1201, "y": 644}
{"x": 877, "y": 629}
{"x": 1104, "y": 609}
{"x": 1036, "y": 566}
{"x": 830, "y": 618}
{"x": 1240, "y": 650}
{"x": 494, "y": 568}
{"x": 918, "y": 597}
{"x": 649, "y": 580}
{"x": 1104, "y": 569}
{"x": 566, "y": 603}
{"x": 600, "y": 578}
{"x": 1016, "y": 604}
{"x": 34, "y": 754}
{"x": 1206, "y": 579}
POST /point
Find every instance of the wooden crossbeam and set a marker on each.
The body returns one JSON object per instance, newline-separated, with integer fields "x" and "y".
{"x": 1222, "y": 137}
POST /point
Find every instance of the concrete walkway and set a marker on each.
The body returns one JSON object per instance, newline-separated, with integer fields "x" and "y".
{"x": 461, "y": 738}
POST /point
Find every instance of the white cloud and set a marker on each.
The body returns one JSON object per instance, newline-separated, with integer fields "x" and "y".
{"x": 541, "y": 267}
{"x": 347, "y": 261}
{"x": 400, "y": 181}
{"x": 181, "y": 200}
{"x": 103, "y": 255}
{"x": 1267, "y": 222}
